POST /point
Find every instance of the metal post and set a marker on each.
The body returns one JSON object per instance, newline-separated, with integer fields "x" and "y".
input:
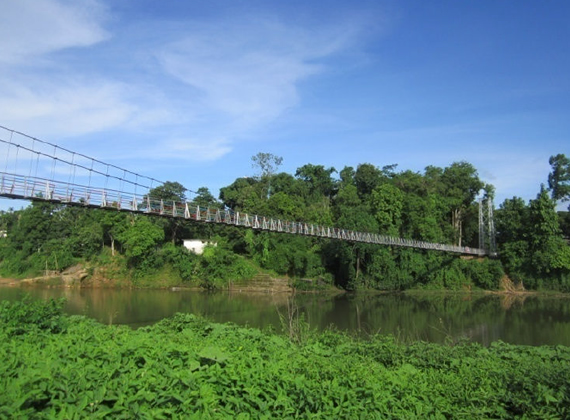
{"x": 481, "y": 226}
{"x": 491, "y": 229}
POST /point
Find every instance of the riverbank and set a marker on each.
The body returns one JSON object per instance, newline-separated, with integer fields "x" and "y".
{"x": 186, "y": 367}
{"x": 100, "y": 277}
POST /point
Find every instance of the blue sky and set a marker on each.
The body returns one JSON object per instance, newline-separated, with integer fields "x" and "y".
{"x": 189, "y": 91}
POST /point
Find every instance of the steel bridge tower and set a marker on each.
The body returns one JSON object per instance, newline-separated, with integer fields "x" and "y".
{"x": 487, "y": 231}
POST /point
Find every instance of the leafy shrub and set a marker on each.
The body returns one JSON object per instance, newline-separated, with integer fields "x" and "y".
{"x": 29, "y": 316}
{"x": 187, "y": 367}
{"x": 182, "y": 260}
{"x": 219, "y": 266}
{"x": 485, "y": 274}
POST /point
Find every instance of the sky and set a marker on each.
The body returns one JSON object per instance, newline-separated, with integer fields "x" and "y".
{"x": 189, "y": 91}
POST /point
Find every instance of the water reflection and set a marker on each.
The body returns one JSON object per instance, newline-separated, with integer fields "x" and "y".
{"x": 529, "y": 320}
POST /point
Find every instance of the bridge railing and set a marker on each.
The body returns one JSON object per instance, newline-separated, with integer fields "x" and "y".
{"x": 41, "y": 189}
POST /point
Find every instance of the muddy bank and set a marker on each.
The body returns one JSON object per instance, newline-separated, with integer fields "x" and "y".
{"x": 80, "y": 277}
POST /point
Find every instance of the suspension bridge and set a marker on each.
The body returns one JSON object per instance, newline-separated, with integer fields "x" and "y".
{"x": 37, "y": 170}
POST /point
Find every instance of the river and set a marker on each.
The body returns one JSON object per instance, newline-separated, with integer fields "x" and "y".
{"x": 435, "y": 317}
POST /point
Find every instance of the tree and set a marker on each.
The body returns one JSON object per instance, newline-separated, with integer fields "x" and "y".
{"x": 168, "y": 192}
{"x": 549, "y": 252}
{"x": 318, "y": 179}
{"x": 512, "y": 223}
{"x": 204, "y": 198}
{"x": 559, "y": 178}
{"x": 347, "y": 176}
{"x": 282, "y": 205}
{"x": 37, "y": 225}
{"x": 387, "y": 204}
{"x": 244, "y": 195}
{"x": 266, "y": 163}
{"x": 367, "y": 177}
{"x": 288, "y": 184}
{"x": 511, "y": 220}
{"x": 461, "y": 184}
{"x": 114, "y": 224}
{"x": 86, "y": 237}
{"x": 140, "y": 240}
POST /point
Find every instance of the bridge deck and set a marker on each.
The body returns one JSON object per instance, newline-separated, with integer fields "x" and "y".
{"x": 41, "y": 189}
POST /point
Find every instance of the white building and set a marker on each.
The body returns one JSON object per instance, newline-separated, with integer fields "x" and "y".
{"x": 196, "y": 245}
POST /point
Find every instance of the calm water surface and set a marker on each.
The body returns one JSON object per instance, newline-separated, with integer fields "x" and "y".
{"x": 533, "y": 320}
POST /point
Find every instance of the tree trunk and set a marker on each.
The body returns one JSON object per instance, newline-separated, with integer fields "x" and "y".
{"x": 357, "y": 264}
{"x": 112, "y": 245}
{"x": 460, "y": 232}
{"x": 457, "y": 225}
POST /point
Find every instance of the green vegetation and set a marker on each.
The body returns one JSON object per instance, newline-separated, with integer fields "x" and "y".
{"x": 55, "y": 366}
{"x": 438, "y": 205}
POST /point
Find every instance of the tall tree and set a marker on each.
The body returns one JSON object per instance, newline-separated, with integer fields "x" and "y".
{"x": 244, "y": 194}
{"x": 347, "y": 176}
{"x": 114, "y": 224}
{"x": 140, "y": 241}
{"x": 549, "y": 252}
{"x": 266, "y": 163}
{"x": 461, "y": 184}
{"x": 367, "y": 177}
{"x": 169, "y": 191}
{"x": 318, "y": 179}
{"x": 387, "y": 204}
{"x": 204, "y": 198}
{"x": 559, "y": 178}
{"x": 512, "y": 223}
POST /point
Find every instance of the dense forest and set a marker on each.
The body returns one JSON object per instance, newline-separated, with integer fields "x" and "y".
{"x": 439, "y": 205}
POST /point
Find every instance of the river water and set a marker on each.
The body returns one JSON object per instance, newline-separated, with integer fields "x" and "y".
{"x": 435, "y": 317}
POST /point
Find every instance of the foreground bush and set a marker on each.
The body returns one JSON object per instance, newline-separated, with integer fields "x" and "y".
{"x": 186, "y": 367}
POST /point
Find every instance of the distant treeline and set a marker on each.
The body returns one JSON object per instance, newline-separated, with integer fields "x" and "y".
{"x": 439, "y": 205}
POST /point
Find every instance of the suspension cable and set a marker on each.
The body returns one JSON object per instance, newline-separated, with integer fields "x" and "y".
{"x": 81, "y": 155}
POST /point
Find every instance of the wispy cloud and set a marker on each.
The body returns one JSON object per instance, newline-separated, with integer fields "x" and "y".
{"x": 72, "y": 107}
{"x": 249, "y": 71}
{"x": 44, "y": 93}
{"x": 29, "y": 29}
{"x": 234, "y": 75}
{"x": 174, "y": 151}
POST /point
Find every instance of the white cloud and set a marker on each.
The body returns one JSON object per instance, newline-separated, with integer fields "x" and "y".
{"x": 249, "y": 71}
{"x": 194, "y": 150}
{"x": 30, "y": 28}
{"x": 44, "y": 94}
{"x": 218, "y": 79}
{"x": 64, "y": 109}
